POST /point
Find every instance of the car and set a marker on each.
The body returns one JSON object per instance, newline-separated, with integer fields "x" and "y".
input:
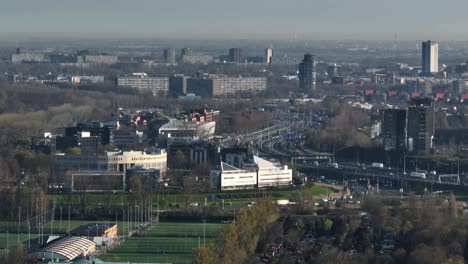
{"x": 316, "y": 163}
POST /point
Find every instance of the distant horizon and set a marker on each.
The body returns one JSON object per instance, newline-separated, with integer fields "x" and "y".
{"x": 372, "y": 20}
{"x": 26, "y": 36}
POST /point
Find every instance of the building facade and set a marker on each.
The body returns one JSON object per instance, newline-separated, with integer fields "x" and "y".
{"x": 98, "y": 59}
{"x": 421, "y": 126}
{"x": 116, "y": 161}
{"x": 308, "y": 74}
{"x": 188, "y": 130}
{"x": 235, "y": 55}
{"x": 268, "y": 55}
{"x": 197, "y": 59}
{"x": 170, "y": 56}
{"x": 141, "y": 81}
{"x": 430, "y": 57}
{"x": 394, "y": 129}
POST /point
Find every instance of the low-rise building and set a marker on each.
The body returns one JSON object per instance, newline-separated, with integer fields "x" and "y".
{"x": 232, "y": 178}
{"x": 258, "y": 174}
{"x": 98, "y": 59}
{"x": 190, "y": 130}
{"x": 28, "y": 57}
{"x": 117, "y": 161}
{"x": 271, "y": 174}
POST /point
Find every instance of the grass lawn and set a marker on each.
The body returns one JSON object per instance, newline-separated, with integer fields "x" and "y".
{"x": 320, "y": 190}
{"x": 167, "y": 242}
{"x": 11, "y": 239}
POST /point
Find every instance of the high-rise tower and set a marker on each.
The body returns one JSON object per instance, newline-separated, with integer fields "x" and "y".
{"x": 430, "y": 57}
{"x": 308, "y": 74}
{"x": 268, "y": 55}
{"x": 170, "y": 56}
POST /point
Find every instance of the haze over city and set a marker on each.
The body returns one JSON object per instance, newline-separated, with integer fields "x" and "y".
{"x": 302, "y": 19}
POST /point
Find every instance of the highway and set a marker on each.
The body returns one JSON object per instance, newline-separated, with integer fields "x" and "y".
{"x": 381, "y": 173}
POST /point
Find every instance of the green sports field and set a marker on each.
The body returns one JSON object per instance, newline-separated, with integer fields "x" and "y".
{"x": 166, "y": 242}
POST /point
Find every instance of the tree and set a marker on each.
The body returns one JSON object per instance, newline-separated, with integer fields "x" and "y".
{"x": 204, "y": 255}
{"x": 453, "y": 210}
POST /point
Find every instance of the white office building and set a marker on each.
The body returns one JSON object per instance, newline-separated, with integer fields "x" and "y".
{"x": 232, "y": 178}
{"x": 263, "y": 174}
{"x": 270, "y": 174}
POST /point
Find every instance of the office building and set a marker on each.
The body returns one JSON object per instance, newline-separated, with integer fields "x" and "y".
{"x": 235, "y": 55}
{"x": 112, "y": 161}
{"x": 430, "y": 57}
{"x": 170, "y": 56}
{"x": 270, "y": 174}
{"x": 268, "y": 55}
{"x": 250, "y": 172}
{"x": 308, "y": 74}
{"x": 394, "y": 129}
{"x": 421, "y": 125}
{"x": 158, "y": 86}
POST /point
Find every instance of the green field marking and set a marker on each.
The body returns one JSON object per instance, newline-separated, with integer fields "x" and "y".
{"x": 167, "y": 242}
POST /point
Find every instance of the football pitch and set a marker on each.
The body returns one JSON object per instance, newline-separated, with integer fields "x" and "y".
{"x": 166, "y": 242}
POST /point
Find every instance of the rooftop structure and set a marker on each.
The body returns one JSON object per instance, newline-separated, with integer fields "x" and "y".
{"x": 67, "y": 248}
{"x": 183, "y": 129}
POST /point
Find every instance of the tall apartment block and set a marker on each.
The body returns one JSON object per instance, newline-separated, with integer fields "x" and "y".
{"x": 308, "y": 74}
{"x": 268, "y": 55}
{"x": 421, "y": 125}
{"x": 235, "y": 55}
{"x": 170, "y": 56}
{"x": 430, "y": 57}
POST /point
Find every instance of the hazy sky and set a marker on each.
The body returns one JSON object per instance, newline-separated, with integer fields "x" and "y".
{"x": 309, "y": 19}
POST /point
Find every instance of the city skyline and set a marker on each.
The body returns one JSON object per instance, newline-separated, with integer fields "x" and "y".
{"x": 361, "y": 19}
